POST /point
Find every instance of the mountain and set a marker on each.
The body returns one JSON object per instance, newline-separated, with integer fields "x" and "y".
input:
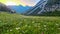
{"x": 44, "y": 6}
{"x": 20, "y": 8}
{"x": 4, "y": 8}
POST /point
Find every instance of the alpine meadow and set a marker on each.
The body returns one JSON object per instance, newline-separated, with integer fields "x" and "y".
{"x": 29, "y": 16}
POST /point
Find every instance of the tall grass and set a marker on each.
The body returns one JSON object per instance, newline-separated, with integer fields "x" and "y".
{"x": 20, "y": 24}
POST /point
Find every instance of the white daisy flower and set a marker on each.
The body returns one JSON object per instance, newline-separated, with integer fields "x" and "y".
{"x": 17, "y": 28}
{"x": 10, "y": 30}
{"x": 57, "y": 24}
{"x": 33, "y": 21}
{"x": 44, "y": 25}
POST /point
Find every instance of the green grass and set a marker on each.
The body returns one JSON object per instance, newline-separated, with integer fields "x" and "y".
{"x": 20, "y": 24}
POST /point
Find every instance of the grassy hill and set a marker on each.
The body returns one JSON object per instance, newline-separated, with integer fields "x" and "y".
{"x": 20, "y": 24}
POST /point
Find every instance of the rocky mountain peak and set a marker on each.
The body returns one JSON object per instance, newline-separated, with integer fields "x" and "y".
{"x": 44, "y": 6}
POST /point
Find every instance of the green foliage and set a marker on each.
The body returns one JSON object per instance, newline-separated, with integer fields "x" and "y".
{"x": 51, "y": 13}
{"x": 19, "y": 24}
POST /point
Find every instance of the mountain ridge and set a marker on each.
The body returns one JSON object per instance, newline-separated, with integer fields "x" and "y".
{"x": 20, "y": 8}
{"x": 4, "y": 8}
{"x": 44, "y": 6}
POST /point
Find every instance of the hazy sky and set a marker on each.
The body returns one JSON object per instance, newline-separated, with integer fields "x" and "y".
{"x": 30, "y": 2}
{"x": 20, "y": 2}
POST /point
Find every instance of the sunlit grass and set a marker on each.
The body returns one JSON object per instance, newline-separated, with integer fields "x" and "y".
{"x": 20, "y": 24}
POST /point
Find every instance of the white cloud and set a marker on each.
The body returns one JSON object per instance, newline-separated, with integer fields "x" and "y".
{"x": 29, "y": 2}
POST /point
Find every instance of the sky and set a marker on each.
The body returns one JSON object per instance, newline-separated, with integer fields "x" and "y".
{"x": 20, "y": 2}
{"x": 30, "y": 2}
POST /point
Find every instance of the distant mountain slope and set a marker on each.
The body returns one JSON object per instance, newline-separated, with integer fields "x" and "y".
{"x": 4, "y": 8}
{"x": 44, "y": 6}
{"x": 20, "y": 8}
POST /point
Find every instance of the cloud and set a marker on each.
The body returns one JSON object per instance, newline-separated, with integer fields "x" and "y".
{"x": 22, "y": 2}
{"x": 29, "y": 2}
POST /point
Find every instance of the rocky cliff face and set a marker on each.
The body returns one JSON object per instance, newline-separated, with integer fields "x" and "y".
{"x": 44, "y": 6}
{"x": 5, "y": 8}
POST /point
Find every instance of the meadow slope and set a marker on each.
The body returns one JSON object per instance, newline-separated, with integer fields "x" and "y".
{"x": 20, "y": 24}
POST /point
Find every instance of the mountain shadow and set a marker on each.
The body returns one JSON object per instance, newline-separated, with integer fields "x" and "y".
{"x": 4, "y": 8}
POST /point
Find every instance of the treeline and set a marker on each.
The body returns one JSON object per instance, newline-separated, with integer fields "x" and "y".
{"x": 50, "y": 13}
